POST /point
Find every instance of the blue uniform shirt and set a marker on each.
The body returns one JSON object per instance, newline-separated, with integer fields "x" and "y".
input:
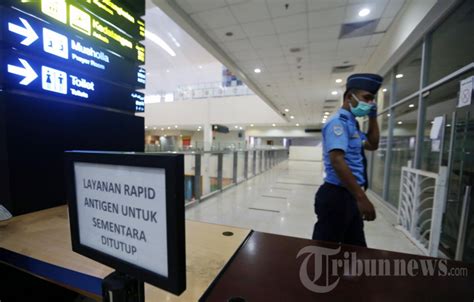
{"x": 340, "y": 132}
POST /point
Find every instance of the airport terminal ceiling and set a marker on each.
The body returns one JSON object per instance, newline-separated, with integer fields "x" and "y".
{"x": 300, "y": 47}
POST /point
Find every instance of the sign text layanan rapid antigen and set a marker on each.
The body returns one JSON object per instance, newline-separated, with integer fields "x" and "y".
{"x": 122, "y": 212}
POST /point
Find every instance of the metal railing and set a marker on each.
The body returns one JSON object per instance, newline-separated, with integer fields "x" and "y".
{"x": 210, "y": 172}
{"x": 199, "y": 91}
{"x": 421, "y": 205}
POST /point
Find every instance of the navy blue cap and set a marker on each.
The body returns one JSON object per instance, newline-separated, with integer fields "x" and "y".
{"x": 365, "y": 81}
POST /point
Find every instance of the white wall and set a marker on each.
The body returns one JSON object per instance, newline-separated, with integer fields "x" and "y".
{"x": 239, "y": 110}
{"x": 280, "y": 132}
{"x": 231, "y": 137}
{"x": 306, "y": 153}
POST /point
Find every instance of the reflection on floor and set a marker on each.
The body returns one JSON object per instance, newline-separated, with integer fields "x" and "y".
{"x": 280, "y": 201}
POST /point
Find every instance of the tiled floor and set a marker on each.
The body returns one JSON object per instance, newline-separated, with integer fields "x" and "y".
{"x": 280, "y": 201}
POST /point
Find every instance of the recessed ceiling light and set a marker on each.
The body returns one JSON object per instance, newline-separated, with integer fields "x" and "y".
{"x": 167, "y": 70}
{"x": 251, "y": 125}
{"x": 154, "y": 128}
{"x": 287, "y": 110}
{"x": 297, "y": 125}
{"x": 199, "y": 129}
{"x": 241, "y": 128}
{"x": 339, "y": 81}
{"x": 236, "y": 127}
{"x": 292, "y": 117}
{"x": 200, "y": 67}
{"x": 323, "y": 122}
{"x": 448, "y": 125}
{"x": 158, "y": 41}
{"x": 146, "y": 127}
{"x": 326, "y": 113}
{"x": 411, "y": 105}
{"x": 169, "y": 128}
{"x": 400, "y": 122}
{"x": 384, "y": 90}
{"x": 176, "y": 126}
{"x": 399, "y": 76}
{"x": 334, "y": 92}
{"x": 273, "y": 125}
{"x": 257, "y": 70}
{"x": 162, "y": 129}
{"x": 388, "y": 114}
{"x": 364, "y": 12}
{"x": 174, "y": 40}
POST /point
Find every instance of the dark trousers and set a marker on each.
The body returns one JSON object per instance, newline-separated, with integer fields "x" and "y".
{"x": 339, "y": 219}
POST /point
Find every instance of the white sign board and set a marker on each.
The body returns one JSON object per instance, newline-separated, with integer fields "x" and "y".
{"x": 438, "y": 124}
{"x": 465, "y": 92}
{"x": 122, "y": 212}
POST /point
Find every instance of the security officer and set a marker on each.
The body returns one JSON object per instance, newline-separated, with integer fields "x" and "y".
{"x": 340, "y": 203}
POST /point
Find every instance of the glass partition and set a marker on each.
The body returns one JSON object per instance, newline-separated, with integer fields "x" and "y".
{"x": 452, "y": 43}
{"x": 189, "y": 177}
{"x": 250, "y": 163}
{"x": 403, "y": 145}
{"x": 379, "y": 157}
{"x": 440, "y": 103}
{"x": 240, "y": 166}
{"x": 210, "y": 172}
{"x": 385, "y": 91}
{"x": 407, "y": 75}
{"x": 227, "y": 170}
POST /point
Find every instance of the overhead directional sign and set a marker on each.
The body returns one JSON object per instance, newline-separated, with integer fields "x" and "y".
{"x": 81, "y": 20}
{"x": 21, "y": 72}
{"x": 25, "y": 71}
{"x": 116, "y": 14}
{"x": 24, "y": 30}
{"x": 31, "y": 35}
{"x": 85, "y": 51}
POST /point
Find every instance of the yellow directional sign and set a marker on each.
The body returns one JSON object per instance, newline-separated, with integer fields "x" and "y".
{"x": 80, "y": 19}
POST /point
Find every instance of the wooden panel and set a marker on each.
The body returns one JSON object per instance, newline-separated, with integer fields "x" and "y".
{"x": 45, "y": 236}
{"x": 267, "y": 268}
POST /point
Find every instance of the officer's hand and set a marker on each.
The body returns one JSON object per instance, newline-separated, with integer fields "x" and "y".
{"x": 373, "y": 111}
{"x": 366, "y": 208}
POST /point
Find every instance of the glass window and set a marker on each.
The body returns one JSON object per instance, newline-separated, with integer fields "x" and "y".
{"x": 452, "y": 43}
{"x": 378, "y": 157}
{"x": 403, "y": 145}
{"x": 440, "y": 102}
{"x": 407, "y": 77}
{"x": 383, "y": 96}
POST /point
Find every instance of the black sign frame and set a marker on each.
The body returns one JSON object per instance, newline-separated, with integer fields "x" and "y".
{"x": 173, "y": 165}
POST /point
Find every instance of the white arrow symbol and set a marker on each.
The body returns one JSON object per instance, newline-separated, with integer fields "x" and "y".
{"x": 27, "y": 31}
{"x": 25, "y": 71}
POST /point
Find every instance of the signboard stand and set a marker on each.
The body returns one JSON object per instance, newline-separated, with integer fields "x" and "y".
{"x": 119, "y": 287}
{"x": 126, "y": 210}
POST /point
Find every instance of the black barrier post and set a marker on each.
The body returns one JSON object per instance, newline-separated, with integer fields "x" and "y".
{"x": 119, "y": 287}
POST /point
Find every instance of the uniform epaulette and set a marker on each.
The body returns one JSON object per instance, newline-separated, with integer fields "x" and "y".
{"x": 344, "y": 118}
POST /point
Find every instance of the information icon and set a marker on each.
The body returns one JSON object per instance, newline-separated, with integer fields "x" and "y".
{"x": 54, "y": 80}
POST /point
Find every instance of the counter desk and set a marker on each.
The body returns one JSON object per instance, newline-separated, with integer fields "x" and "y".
{"x": 39, "y": 243}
